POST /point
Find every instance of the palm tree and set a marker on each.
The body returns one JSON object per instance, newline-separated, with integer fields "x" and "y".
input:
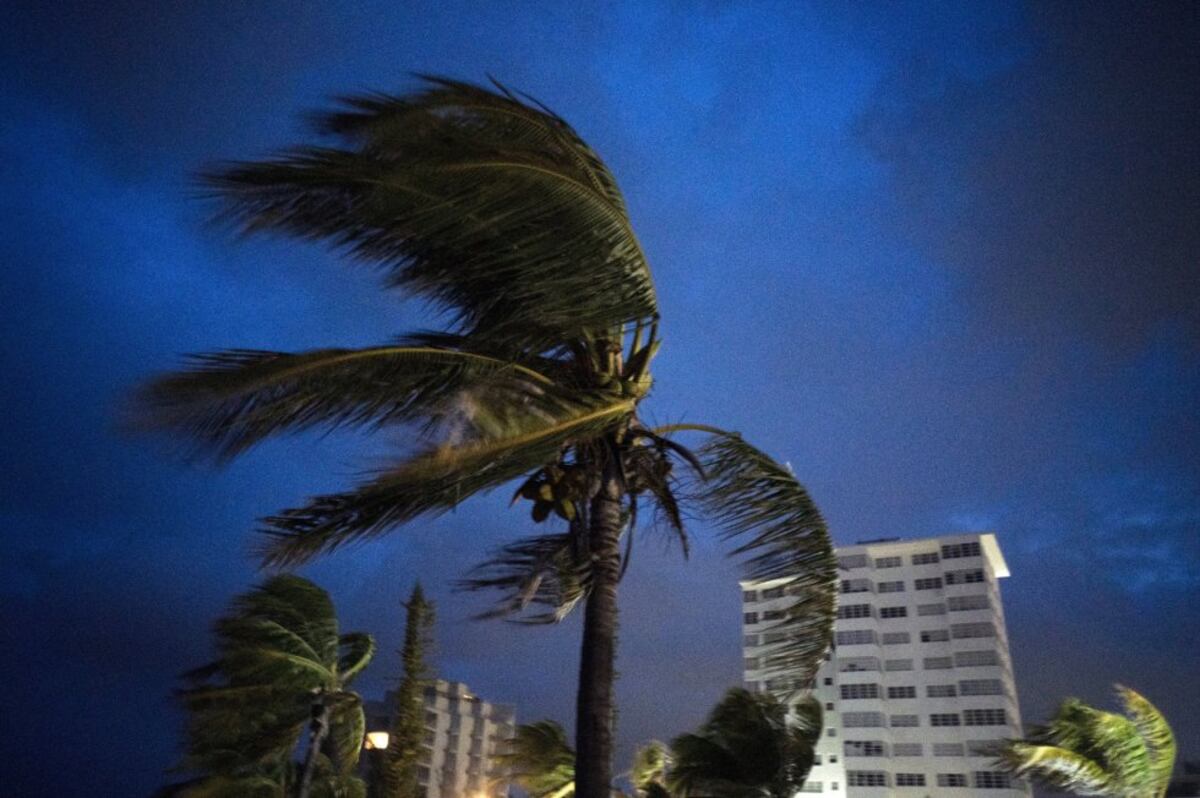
{"x": 494, "y": 210}
{"x": 281, "y": 665}
{"x": 1088, "y": 751}
{"x": 539, "y": 760}
{"x": 750, "y": 747}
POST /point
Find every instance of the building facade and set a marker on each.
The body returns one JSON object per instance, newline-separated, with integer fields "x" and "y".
{"x": 918, "y": 688}
{"x": 463, "y": 734}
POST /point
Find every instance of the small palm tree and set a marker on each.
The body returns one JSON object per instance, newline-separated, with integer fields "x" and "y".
{"x": 539, "y": 760}
{"x": 493, "y": 209}
{"x": 281, "y": 665}
{"x": 750, "y": 747}
{"x": 1088, "y": 751}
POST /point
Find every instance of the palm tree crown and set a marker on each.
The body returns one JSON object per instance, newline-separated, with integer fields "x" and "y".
{"x": 1088, "y": 751}
{"x": 750, "y": 747}
{"x": 281, "y": 663}
{"x": 493, "y": 209}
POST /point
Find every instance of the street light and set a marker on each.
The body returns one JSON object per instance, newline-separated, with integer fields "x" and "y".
{"x": 377, "y": 740}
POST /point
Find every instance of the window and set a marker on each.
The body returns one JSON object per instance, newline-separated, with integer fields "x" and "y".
{"x": 889, "y": 587}
{"x": 907, "y": 691}
{"x": 981, "y": 687}
{"x": 910, "y": 779}
{"x": 866, "y": 778}
{"x": 855, "y": 637}
{"x": 828, "y": 705}
{"x": 852, "y": 561}
{"x": 854, "y": 611}
{"x": 952, "y": 780}
{"x": 831, "y": 732}
{"x": 889, "y": 562}
{"x": 952, "y": 551}
{"x": 925, "y": 558}
{"x": 971, "y": 659}
{"x": 893, "y": 612}
{"x": 772, "y": 593}
{"x": 906, "y": 749}
{"x": 862, "y": 748}
{"x": 947, "y": 749}
{"x": 750, "y": 640}
{"x": 991, "y": 780}
{"x": 862, "y": 720}
{"x": 904, "y": 721}
{"x": 896, "y": 638}
{"x": 749, "y": 617}
{"x": 774, "y": 637}
{"x": 898, "y": 665}
{"x": 931, "y": 609}
{"x": 812, "y": 786}
{"x": 853, "y": 664}
{"x": 749, "y": 595}
{"x": 940, "y": 691}
{"x": 944, "y": 719}
{"x": 856, "y": 585}
{"x": 935, "y": 636}
{"x": 828, "y": 681}
{"x": 750, "y": 663}
{"x": 937, "y": 663}
{"x": 977, "y": 601}
{"x": 985, "y": 717}
{"x": 780, "y": 683}
{"x": 967, "y": 630}
{"x": 851, "y": 692}
{"x": 968, "y": 577}
{"x": 928, "y": 583}
{"x": 774, "y": 615}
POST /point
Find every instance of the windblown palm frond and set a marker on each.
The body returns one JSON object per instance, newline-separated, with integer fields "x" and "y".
{"x": 547, "y": 571}
{"x": 229, "y": 401}
{"x": 748, "y": 748}
{"x": 492, "y": 208}
{"x": 1088, "y": 751}
{"x": 436, "y": 481}
{"x": 540, "y": 760}
{"x": 780, "y": 536}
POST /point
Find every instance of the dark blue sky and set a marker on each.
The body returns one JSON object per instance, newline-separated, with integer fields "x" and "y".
{"x": 943, "y": 258}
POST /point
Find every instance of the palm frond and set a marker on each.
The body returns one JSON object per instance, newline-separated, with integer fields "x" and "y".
{"x": 1057, "y": 767}
{"x": 780, "y": 535}
{"x": 546, "y": 571}
{"x": 1156, "y": 734}
{"x": 492, "y": 208}
{"x": 228, "y": 401}
{"x": 355, "y": 652}
{"x": 437, "y": 480}
{"x": 347, "y": 729}
{"x": 540, "y": 760}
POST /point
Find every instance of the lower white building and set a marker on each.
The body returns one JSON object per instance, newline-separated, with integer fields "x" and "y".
{"x": 918, "y": 688}
{"x": 463, "y": 733}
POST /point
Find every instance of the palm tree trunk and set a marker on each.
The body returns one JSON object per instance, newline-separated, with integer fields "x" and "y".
{"x": 594, "y": 712}
{"x": 318, "y": 730}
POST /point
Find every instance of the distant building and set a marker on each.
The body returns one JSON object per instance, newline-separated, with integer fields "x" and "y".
{"x": 463, "y": 733}
{"x": 918, "y": 687}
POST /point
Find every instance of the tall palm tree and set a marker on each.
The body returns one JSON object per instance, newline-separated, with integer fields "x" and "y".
{"x": 752, "y": 746}
{"x": 1088, "y": 751}
{"x": 494, "y": 210}
{"x": 281, "y": 665}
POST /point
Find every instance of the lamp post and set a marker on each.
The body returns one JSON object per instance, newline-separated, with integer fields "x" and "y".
{"x": 376, "y": 743}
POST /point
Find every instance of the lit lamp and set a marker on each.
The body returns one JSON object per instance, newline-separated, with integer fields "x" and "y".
{"x": 376, "y": 740}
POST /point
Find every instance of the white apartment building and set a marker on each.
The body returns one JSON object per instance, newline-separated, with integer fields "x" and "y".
{"x": 462, "y": 735}
{"x": 919, "y": 684}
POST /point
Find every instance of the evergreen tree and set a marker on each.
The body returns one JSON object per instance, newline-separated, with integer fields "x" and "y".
{"x": 407, "y": 731}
